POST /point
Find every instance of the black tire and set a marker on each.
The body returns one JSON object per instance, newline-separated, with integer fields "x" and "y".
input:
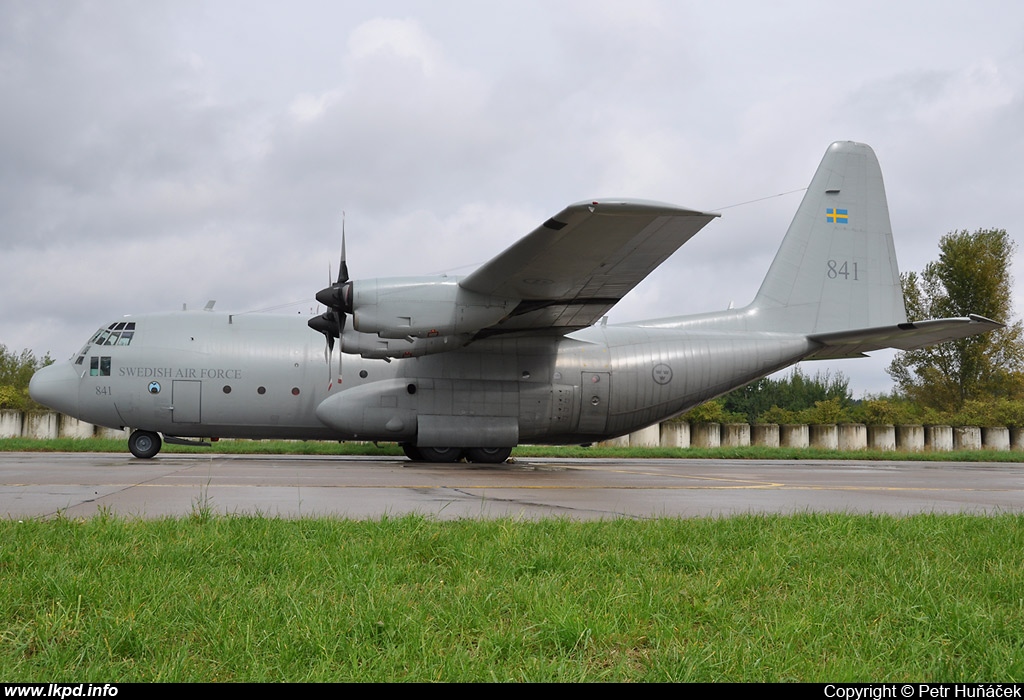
{"x": 440, "y": 454}
{"x": 412, "y": 452}
{"x": 144, "y": 444}
{"x": 488, "y": 455}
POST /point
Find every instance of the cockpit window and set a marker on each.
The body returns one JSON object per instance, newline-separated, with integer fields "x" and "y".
{"x": 120, "y": 333}
{"x": 99, "y": 366}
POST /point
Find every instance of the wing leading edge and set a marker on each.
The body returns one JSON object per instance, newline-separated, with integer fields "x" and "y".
{"x": 579, "y": 263}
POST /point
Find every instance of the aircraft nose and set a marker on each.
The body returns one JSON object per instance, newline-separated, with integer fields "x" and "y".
{"x": 56, "y": 386}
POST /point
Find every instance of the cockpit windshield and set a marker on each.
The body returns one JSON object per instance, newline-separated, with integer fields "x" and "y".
{"x": 119, "y": 333}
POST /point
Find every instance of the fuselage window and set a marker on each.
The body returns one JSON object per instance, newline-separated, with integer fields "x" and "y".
{"x": 99, "y": 366}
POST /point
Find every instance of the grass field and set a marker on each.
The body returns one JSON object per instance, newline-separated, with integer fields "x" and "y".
{"x": 809, "y": 597}
{"x": 754, "y": 598}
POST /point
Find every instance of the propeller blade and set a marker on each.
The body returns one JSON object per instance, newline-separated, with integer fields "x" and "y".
{"x": 337, "y": 298}
{"x": 340, "y": 319}
{"x": 343, "y": 267}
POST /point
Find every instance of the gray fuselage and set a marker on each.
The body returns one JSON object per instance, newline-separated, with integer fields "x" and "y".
{"x": 205, "y": 374}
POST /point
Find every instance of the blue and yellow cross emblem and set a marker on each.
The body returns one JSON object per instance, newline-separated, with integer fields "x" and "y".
{"x": 837, "y": 216}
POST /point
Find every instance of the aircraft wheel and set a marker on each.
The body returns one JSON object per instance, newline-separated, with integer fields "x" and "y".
{"x": 412, "y": 452}
{"x": 440, "y": 454}
{"x": 144, "y": 444}
{"x": 488, "y": 455}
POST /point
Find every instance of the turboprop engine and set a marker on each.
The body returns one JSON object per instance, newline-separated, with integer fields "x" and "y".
{"x": 423, "y": 307}
{"x": 406, "y": 316}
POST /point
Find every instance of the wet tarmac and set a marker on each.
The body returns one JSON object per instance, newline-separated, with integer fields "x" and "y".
{"x": 36, "y": 485}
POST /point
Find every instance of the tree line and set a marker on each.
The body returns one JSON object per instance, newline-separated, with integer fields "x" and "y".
{"x": 16, "y": 369}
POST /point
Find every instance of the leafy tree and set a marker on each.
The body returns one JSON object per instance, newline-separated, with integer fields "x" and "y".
{"x": 712, "y": 411}
{"x": 16, "y": 369}
{"x": 972, "y": 275}
{"x": 794, "y": 393}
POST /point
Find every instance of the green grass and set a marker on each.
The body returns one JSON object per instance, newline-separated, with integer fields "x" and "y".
{"x": 572, "y": 451}
{"x": 758, "y": 598}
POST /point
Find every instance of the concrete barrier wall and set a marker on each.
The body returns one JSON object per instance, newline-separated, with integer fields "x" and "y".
{"x": 939, "y": 437}
{"x": 764, "y": 434}
{"x": 910, "y": 438}
{"x": 10, "y": 424}
{"x": 1017, "y": 438}
{"x": 736, "y": 435}
{"x": 846, "y": 436}
{"x": 967, "y": 437}
{"x": 995, "y": 438}
{"x": 823, "y": 437}
{"x": 621, "y": 441}
{"x": 41, "y": 426}
{"x": 69, "y": 427}
{"x": 882, "y": 437}
{"x": 706, "y": 435}
{"x": 853, "y": 436}
{"x": 675, "y": 434}
{"x": 112, "y": 433}
{"x": 647, "y": 437}
{"x": 794, "y": 436}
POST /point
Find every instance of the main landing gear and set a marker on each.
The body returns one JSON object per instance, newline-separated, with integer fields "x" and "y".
{"x": 144, "y": 444}
{"x": 478, "y": 455}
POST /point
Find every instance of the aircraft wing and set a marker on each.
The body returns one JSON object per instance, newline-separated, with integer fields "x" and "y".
{"x": 580, "y": 262}
{"x": 905, "y": 336}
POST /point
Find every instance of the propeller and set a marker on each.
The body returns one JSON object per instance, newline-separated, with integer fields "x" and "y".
{"x": 338, "y": 300}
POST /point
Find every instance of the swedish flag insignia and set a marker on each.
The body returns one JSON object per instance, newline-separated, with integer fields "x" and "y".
{"x": 837, "y": 216}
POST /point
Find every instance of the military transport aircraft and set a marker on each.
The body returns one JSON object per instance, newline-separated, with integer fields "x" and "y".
{"x": 453, "y": 367}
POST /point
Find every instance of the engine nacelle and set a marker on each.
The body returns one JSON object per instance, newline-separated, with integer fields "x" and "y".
{"x": 423, "y": 307}
{"x": 373, "y": 347}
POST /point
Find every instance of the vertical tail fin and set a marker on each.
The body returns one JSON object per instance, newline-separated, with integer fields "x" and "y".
{"x": 836, "y": 269}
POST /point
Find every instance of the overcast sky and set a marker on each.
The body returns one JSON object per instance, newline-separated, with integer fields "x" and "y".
{"x": 159, "y": 153}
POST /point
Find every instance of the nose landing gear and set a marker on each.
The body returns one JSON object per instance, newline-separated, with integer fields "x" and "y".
{"x": 144, "y": 444}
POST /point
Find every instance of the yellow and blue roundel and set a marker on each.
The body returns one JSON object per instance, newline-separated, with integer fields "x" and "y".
{"x": 837, "y": 216}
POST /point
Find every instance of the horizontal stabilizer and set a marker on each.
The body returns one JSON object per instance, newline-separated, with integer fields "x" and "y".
{"x": 904, "y": 336}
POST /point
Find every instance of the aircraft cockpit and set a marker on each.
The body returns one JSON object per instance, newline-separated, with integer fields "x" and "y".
{"x": 119, "y": 333}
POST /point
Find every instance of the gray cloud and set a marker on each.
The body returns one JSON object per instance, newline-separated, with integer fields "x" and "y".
{"x": 159, "y": 153}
